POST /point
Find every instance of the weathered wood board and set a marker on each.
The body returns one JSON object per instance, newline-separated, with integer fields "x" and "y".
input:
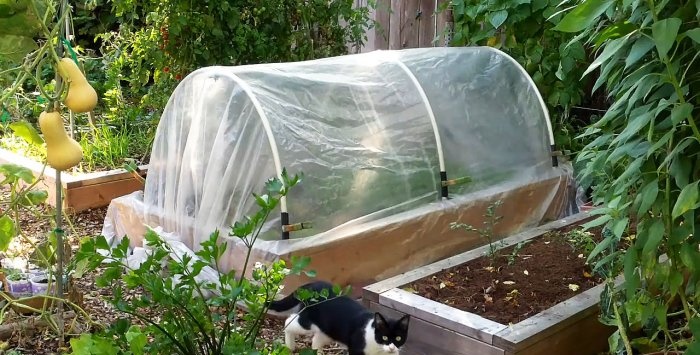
{"x": 80, "y": 191}
{"x": 556, "y": 330}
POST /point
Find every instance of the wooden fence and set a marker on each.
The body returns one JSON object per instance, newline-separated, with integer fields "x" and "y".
{"x": 407, "y": 24}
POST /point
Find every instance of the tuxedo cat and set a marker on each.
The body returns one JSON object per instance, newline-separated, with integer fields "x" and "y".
{"x": 340, "y": 319}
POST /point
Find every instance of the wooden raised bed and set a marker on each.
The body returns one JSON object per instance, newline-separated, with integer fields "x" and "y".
{"x": 80, "y": 191}
{"x": 570, "y": 327}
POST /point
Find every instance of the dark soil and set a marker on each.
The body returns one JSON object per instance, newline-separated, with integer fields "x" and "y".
{"x": 547, "y": 270}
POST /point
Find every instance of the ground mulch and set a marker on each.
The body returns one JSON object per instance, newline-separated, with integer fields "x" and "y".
{"x": 544, "y": 272}
{"x": 101, "y": 313}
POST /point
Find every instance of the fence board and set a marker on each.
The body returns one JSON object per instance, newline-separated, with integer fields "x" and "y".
{"x": 382, "y": 28}
{"x": 410, "y": 23}
{"x": 444, "y": 24}
{"x": 426, "y": 32}
{"x": 407, "y": 24}
{"x": 395, "y": 25}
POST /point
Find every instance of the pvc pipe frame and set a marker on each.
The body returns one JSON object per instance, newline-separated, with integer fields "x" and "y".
{"x": 438, "y": 141}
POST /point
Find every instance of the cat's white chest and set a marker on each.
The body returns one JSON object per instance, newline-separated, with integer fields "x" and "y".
{"x": 371, "y": 345}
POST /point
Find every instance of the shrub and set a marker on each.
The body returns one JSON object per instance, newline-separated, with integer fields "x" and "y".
{"x": 643, "y": 165}
{"x": 187, "y": 307}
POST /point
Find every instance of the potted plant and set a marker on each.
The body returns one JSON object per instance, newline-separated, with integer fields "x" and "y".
{"x": 16, "y": 283}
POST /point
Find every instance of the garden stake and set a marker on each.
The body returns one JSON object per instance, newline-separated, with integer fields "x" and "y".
{"x": 59, "y": 198}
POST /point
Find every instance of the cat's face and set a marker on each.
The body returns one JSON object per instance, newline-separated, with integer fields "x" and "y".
{"x": 389, "y": 333}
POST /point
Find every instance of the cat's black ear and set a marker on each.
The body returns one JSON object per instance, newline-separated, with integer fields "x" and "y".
{"x": 379, "y": 321}
{"x": 403, "y": 322}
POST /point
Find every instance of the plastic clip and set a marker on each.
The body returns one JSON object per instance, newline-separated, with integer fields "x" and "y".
{"x": 457, "y": 181}
{"x": 296, "y": 227}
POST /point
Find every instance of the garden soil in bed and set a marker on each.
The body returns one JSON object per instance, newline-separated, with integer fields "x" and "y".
{"x": 545, "y": 271}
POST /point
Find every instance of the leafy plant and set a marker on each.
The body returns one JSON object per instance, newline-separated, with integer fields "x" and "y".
{"x": 22, "y": 198}
{"x": 187, "y": 307}
{"x": 581, "y": 240}
{"x": 159, "y": 42}
{"x": 490, "y": 221}
{"x": 524, "y": 30}
{"x": 642, "y": 163}
{"x": 512, "y": 257}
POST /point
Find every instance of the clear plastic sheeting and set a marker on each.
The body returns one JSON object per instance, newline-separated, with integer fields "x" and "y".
{"x": 370, "y": 132}
{"x": 375, "y": 135}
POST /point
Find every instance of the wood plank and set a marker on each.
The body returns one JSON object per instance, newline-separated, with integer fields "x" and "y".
{"x": 550, "y": 322}
{"x": 383, "y": 25}
{"x": 100, "y": 177}
{"x": 373, "y": 291}
{"x": 425, "y": 338}
{"x": 465, "y": 323}
{"x": 410, "y": 23}
{"x": 426, "y": 31}
{"x": 99, "y": 195}
{"x": 569, "y": 341}
{"x": 395, "y": 24}
{"x": 444, "y": 23}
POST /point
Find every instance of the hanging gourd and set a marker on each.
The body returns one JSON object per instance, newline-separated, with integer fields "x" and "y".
{"x": 81, "y": 96}
{"x": 62, "y": 152}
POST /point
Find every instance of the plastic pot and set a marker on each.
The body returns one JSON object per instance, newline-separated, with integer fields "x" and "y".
{"x": 40, "y": 285}
{"x": 19, "y": 288}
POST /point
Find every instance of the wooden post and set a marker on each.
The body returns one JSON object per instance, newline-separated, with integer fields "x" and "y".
{"x": 426, "y": 32}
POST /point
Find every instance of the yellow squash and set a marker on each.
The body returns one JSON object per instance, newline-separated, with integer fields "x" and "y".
{"x": 81, "y": 96}
{"x": 62, "y": 152}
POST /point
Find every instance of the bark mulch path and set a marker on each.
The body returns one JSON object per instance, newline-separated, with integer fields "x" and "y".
{"x": 85, "y": 224}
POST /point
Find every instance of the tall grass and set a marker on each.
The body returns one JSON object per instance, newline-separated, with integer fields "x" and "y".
{"x": 108, "y": 147}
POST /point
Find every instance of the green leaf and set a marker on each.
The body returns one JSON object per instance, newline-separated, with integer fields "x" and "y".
{"x": 639, "y": 49}
{"x": 619, "y": 226}
{"x": 82, "y": 345}
{"x": 694, "y": 34}
{"x": 611, "y": 48}
{"x": 664, "y": 33}
{"x": 687, "y": 200}
{"x": 7, "y": 232}
{"x": 498, "y": 18}
{"x": 695, "y": 327}
{"x": 25, "y": 24}
{"x": 648, "y": 194}
{"x": 690, "y": 256}
{"x": 26, "y": 131}
{"x": 15, "y": 48}
{"x": 597, "y": 222}
{"x": 15, "y": 173}
{"x": 137, "y": 340}
{"x": 34, "y": 198}
{"x": 615, "y": 31}
{"x": 674, "y": 282}
{"x": 630, "y": 266}
{"x": 661, "y": 315}
{"x": 655, "y": 234}
{"x": 583, "y": 15}
{"x": 604, "y": 244}
{"x": 681, "y": 112}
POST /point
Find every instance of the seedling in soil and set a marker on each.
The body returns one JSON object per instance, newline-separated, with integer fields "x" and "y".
{"x": 581, "y": 240}
{"x": 490, "y": 221}
{"x": 516, "y": 249}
